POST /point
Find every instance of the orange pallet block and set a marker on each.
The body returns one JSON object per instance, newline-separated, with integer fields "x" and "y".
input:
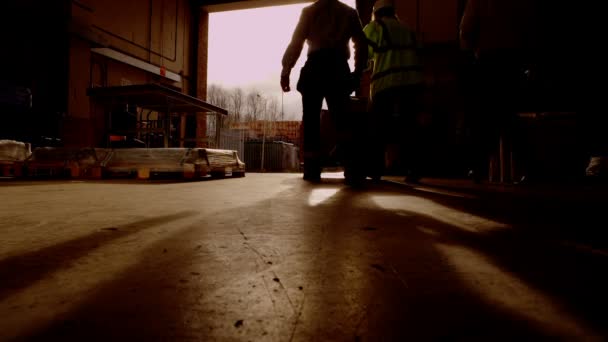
{"x": 87, "y": 163}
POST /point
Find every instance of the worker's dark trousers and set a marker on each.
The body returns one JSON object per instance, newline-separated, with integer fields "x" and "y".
{"x": 395, "y": 120}
{"x": 325, "y": 75}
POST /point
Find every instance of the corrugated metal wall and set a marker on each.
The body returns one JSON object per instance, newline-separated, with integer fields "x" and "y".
{"x": 278, "y": 156}
{"x": 233, "y": 140}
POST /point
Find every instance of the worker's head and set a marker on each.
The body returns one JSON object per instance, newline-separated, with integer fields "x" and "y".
{"x": 384, "y": 8}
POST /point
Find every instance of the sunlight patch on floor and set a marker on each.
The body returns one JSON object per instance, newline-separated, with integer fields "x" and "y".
{"x": 318, "y": 196}
{"x": 333, "y": 175}
{"x": 441, "y": 213}
{"x": 506, "y": 291}
{"x": 444, "y": 192}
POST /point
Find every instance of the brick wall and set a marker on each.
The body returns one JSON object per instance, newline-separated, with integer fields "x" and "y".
{"x": 288, "y": 131}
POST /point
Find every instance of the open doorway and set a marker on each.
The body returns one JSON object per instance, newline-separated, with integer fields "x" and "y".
{"x": 244, "y": 67}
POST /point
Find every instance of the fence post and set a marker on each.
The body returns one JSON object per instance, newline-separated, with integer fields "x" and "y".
{"x": 263, "y": 144}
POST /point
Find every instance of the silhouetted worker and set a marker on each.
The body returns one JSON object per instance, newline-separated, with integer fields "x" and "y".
{"x": 326, "y": 26}
{"x": 396, "y": 89}
{"x": 500, "y": 34}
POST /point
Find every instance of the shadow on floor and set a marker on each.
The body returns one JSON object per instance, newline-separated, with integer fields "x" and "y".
{"x": 325, "y": 262}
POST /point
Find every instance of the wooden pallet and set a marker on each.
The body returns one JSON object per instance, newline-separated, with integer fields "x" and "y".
{"x": 188, "y": 172}
{"x": 90, "y": 172}
{"x": 174, "y": 163}
{"x": 87, "y": 163}
{"x": 44, "y": 170}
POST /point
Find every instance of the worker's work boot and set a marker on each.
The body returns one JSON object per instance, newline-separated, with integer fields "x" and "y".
{"x": 312, "y": 171}
{"x": 312, "y": 177}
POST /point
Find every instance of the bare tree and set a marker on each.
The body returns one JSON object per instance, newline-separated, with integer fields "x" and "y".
{"x": 255, "y": 104}
{"x": 272, "y": 109}
{"x": 217, "y": 96}
{"x": 272, "y": 114}
{"x": 236, "y": 103}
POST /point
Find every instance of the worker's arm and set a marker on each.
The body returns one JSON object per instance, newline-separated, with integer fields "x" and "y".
{"x": 469, "y": 25}
{"x": 294, "y": 49}
{"x": 360, "y": 44}
{"x": 371, "y": 36}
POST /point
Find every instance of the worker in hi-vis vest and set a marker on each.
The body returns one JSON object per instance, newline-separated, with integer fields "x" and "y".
{"x": 396, "y": 91}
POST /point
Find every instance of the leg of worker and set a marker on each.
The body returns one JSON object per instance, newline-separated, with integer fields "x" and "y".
{"x": 311, "y": 120}
{"x": 348, "y": 126}
{"x": 376, "y": 144}
{"x": 414, "y": 140}
{"x": 387, "y": 131}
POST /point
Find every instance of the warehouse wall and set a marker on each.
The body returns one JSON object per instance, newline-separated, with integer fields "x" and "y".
{"x": 155, "y": 31}
{"x": 158, "y": 32}
{"x": 436, "y": 21}
{"x": 34, "y": 56}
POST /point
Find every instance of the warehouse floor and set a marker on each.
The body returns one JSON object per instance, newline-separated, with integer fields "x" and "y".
{"x": 269, "y": 257}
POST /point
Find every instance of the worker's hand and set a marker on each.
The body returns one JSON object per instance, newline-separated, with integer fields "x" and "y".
{"x": 285, "y": 83}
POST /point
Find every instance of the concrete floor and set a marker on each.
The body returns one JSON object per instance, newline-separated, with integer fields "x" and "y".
{"x": 269, "y": 257}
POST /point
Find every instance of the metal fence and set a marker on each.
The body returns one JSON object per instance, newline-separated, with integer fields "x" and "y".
{"x": 214, "y": 128}
{"x": 233, "y": 140}
{"x": 278, "y": 156}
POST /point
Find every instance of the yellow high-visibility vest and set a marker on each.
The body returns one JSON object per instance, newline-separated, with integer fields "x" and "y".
{"x": 393, "y": 50}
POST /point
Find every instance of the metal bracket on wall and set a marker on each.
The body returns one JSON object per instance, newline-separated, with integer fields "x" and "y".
{"x": 121, "y": 57}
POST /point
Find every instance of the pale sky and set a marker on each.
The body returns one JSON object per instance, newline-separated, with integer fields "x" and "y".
{"x": 246, "y": 47}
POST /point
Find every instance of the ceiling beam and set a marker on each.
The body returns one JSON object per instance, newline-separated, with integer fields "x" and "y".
{"x": 212, "y": 6}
